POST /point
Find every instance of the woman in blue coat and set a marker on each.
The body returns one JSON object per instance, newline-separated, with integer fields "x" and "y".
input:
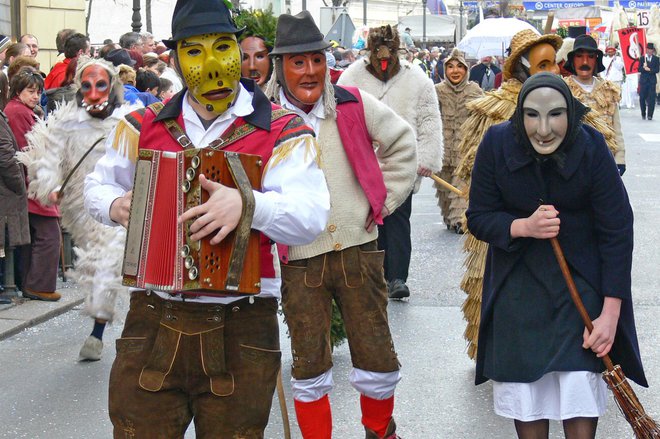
{"x": 544, "y": 174}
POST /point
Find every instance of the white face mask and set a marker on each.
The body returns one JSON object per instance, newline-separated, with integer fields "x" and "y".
{"x": 545, "y": 118}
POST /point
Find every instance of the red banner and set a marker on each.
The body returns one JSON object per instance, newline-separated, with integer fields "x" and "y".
{"x": 633, "y": 44}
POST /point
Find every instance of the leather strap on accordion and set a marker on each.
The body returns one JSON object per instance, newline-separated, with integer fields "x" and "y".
{"x": 244, "y": 226}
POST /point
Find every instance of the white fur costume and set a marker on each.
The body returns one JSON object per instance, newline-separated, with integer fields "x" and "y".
{"x": 54, "y": 148}
{"x": 411, "y": 94}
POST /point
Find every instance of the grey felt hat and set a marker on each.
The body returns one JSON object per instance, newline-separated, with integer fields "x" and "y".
{"x": 298, "y": 34}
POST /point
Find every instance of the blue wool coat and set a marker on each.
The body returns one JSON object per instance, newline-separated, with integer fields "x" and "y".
{"x": 596, "y": 231}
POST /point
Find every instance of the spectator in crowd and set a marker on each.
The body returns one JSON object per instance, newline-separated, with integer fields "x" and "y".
{"x": 153, "y": 63}
{"x": 165, "y": 91}
{"x": 614, "y": 67}
{"x": 484, "y": 73}
{"x": 406, "y": 38}
{"x": 148, "y": 43}
{"x": 60, "y": 39}
{"x": 131, "y": 40}
{"x": 21, "y": 61}
{"x": 170, "y": 71}
{"x": 649, "y": 66}
{"x": 13, "y": 51}
{"x": 76, "y": 45}
{"x": 107, "y": 48}
{"x": 136, "y": 55}
{"x": 14, "y": 226}
{"x": 5, "y": 41}
{"x": 39, "y": 260}
{"x": 148, "y": 82}
{"x": 32, "y": 42}
{"x": 65, "y": 92}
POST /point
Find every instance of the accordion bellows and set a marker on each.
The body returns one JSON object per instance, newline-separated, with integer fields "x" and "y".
{"x": 159, "y": 253}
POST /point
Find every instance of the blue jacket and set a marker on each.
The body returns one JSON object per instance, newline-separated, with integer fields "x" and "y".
{"x": 596, "y": 231}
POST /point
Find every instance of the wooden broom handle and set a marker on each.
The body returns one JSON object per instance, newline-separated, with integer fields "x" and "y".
{"x": 447, "y": 185}
{"x": 559, "y": 254}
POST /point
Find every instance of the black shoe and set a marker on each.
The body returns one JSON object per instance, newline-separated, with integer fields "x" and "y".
{"x": 4, "y": 300}
{"x": 397, "y": 289}
{"x": 650, "y": 118}
{"x": 643, "y": 116}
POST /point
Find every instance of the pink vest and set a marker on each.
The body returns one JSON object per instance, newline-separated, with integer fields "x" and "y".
{"x": 360, "y": 152}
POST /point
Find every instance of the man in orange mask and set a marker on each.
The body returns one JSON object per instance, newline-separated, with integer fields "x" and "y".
{"x": 343, "y": 262}
{"x": 221, "y": 353}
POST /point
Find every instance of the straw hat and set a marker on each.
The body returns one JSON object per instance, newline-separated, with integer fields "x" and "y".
{"x": 521, "y": 43}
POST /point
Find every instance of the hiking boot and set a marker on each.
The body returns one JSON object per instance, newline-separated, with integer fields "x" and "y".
{"x": 38, "y": 295}
{"x": 389, "y": 434}
{"x": 398, "y": 289}
{"x": 91, "y": 349}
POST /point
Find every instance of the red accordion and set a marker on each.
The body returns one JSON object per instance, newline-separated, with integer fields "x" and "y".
{"x": 159, "y": 253}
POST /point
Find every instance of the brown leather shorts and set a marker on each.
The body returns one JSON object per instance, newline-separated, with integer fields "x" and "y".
{"x": 179, "y": 360}
{"x": 354, "y": 278}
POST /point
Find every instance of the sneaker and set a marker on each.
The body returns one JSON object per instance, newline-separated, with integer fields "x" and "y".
{"x": 91, "y": 349}
{"x": 398, "y": 289}
{"x": 38, "y": 295}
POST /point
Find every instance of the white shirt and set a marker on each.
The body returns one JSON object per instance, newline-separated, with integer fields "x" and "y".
{"x": 292, "y": 209}
{"x": 613, "y": 68}
{"x": 313, "y": 118}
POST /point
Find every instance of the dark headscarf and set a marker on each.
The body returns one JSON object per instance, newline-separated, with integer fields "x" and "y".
{"x": 575, "y": 112}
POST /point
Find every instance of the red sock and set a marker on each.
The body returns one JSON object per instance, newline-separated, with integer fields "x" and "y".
{"x": 376, "y": 413}
{"x": 314, "y": 418}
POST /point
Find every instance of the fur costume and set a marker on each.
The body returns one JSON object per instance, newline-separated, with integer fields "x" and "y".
{"x": 495, "y": 107}
{"x": 452, "y": 100}
{"x": 54, "y": 148}
{"x": 411, "y": 95}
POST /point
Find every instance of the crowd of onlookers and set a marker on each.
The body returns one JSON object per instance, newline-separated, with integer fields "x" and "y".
{"x": 28, "y": 94}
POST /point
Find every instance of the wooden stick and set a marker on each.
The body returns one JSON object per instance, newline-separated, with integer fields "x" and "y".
{"x": 548, "y": 22}
{"x": 559, "y": 254}
{"x": 283, "y": 409}
{"x": 448, "y": 186}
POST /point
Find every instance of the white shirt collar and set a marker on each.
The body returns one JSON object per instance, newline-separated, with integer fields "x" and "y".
{"x": 201, "y": 137}
{"x": 313, "y": 117}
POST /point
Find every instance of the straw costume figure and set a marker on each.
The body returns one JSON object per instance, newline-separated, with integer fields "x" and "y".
{"x": 530, "y": 53}
{"x": 585, "y": 62}
{"x": 453, "y": 95}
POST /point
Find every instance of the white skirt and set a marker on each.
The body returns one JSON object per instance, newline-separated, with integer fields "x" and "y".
{"x": 556, "y": 396}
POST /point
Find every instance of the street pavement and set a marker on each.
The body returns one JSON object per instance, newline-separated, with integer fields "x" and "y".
{"x": 46, "y": 393}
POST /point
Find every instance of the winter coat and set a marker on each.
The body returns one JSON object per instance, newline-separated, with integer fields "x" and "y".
{"x": 13, "y": 195}
{"x": 21, "y": 119}
{"x": 411, "y": 95}
{"x": 596, "y": 231}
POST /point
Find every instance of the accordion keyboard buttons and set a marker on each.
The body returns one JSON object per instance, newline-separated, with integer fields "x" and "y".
{"x": 195, "y": 161}
{"x": 185, "y": 251}
{"x": 190, "y": 174}
{"x": 193, "y": 273}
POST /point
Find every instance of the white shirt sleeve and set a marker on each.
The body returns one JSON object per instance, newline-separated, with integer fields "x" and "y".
{"x": 294, "y": 205}
{"x": 112, "y": 178}
{"x": 292, "y": 209}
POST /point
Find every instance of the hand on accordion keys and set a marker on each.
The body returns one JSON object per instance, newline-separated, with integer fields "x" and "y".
{"x": 120, "y": 209}
{"x": 220, "y": 213}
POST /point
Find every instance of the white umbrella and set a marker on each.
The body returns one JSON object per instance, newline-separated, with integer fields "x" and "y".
{"x": 492, "y": 36}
